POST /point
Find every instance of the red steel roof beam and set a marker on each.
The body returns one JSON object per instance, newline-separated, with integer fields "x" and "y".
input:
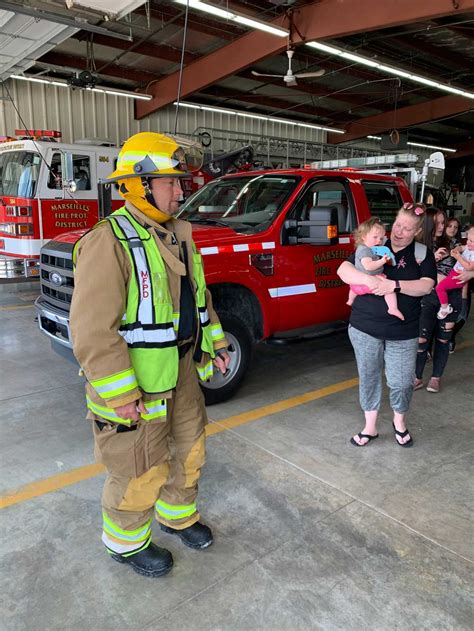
{"x": 317, "y": 20}
{"x": 404, "y": 117}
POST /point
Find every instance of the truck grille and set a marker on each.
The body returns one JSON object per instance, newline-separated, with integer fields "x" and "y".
{"x": 57, "y": 279}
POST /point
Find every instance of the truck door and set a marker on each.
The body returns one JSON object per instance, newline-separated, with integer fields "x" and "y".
{"x": 307, "y": 288}
{"x": 63, "y": 210}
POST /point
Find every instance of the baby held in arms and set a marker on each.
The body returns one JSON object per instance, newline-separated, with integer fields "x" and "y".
{"x": 370, "y": 257}
{"x": 464, "y": 256}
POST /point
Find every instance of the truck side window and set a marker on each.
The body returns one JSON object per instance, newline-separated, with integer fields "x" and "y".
{"x": 82, "y": 171}
{"x": 55, "y": 174}
{"x": 81, "y": 168}
{"x": 384, "y": 200}
{"x": 328, "y": 193}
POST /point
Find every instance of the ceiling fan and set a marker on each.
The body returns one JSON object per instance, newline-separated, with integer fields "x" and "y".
{"x": 290, "y": 78}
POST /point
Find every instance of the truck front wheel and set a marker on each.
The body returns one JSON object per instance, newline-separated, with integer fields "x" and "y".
{"x": 220, "y": 387}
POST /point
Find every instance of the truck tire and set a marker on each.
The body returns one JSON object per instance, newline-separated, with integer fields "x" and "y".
{"x": 220, "y": 387}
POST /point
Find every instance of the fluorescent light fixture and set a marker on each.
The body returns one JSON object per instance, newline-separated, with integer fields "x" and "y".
{"x": 207, "y": 8}
{"x": 260, "y": 26}
{"x": 128, "y": 95}
{"x": 398, "y": 72}
{"x": 419, "y": 144}
{"x": 36, "y": 80}
{"x": 356, "y": 58}
{"x": 64, "y": 84}
{"x": 283, "y": 121}
{"x": 235, "y": 17}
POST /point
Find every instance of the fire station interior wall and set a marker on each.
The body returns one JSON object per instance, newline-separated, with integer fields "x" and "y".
{"x": 82, "y": 114}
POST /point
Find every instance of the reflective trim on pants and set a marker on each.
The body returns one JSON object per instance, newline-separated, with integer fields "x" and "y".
{"x": 170, "y": 512}
{"x": 122, "y": 541}
{"x": 125, "y": 551}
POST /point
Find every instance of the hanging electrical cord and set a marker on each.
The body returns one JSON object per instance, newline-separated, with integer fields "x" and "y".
{"x": 30, "y": 137}
{"x": 91, "y": 65}
{"x": 181, "y": 66}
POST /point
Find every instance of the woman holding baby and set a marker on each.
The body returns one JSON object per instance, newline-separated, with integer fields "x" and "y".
{"x": 380, "y": 338}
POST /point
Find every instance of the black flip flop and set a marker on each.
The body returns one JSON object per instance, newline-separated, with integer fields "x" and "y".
{"x": 409, "y": 443}
{"x": 361, "y": 435}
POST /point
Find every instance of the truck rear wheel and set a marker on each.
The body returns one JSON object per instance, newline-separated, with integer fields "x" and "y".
{"x": 220, "y": 387}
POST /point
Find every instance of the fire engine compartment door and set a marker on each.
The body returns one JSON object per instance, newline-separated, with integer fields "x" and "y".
{"x": 305, "y": 284}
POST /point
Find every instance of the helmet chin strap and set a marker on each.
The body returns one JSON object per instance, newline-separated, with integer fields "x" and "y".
{"x": 148, "y": 194}
{"x": 156, "y": 215}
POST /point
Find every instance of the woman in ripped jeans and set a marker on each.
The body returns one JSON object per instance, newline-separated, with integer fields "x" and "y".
{"x": 435, "y": 334}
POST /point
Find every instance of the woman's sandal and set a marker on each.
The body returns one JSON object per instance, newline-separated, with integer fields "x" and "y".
{"x": 361, "y": 435}
{"x": 409, "y": 443}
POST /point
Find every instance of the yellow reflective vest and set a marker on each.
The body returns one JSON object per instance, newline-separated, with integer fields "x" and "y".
{"x": 149, "y": 325}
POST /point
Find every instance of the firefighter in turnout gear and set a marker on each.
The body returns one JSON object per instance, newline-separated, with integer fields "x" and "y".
{"x": 144, "y": 330}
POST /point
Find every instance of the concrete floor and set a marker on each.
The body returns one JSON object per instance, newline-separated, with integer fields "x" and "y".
{"x": 310, "y": 532}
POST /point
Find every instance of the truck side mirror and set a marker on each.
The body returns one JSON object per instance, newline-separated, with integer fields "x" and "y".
{"x": 320, "y": 229}
{"x": 67, "y": 172}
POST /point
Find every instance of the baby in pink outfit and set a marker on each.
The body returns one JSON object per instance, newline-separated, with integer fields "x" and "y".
{"x": 369, "y": 234}
{"x": 464, "y": 256}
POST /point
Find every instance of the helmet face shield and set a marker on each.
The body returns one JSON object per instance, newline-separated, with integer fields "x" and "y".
{"x": 190, "y": 154}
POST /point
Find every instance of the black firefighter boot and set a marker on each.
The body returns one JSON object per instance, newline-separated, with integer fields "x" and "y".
{"x": 152, "y": 561}
{"x": 197, "y": 536}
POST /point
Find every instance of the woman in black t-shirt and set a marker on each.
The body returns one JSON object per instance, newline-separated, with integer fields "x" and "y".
{"x": 379, "y": 338}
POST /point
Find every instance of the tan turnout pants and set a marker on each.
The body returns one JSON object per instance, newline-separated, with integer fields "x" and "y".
{"x": 155, "y": 466}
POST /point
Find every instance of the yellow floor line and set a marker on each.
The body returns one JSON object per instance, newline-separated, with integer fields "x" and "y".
{"x": 61, "y": 480}
{"x": 279, "y": 406}
{"x": 13, "y": 307}
{"x": 48, "y": 485}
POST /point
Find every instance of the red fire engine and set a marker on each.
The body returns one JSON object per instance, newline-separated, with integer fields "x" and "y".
{"x": 37, "y": 200}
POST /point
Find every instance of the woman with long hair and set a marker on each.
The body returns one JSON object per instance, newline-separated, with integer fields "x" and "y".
{"x": 453, "y": 233}
{"x": 435, "y": 334}
{"x": 433, "y": 233}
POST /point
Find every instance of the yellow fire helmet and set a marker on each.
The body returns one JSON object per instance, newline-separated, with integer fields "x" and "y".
{"x": 148, "y": 155}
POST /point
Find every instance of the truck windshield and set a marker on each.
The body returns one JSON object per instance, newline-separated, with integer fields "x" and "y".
{"x": 243, "y": 203}
{"x": 19, "y": 173}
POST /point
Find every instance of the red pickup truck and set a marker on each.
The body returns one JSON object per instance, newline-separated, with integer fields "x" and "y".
{"x": 271, "y": 242}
